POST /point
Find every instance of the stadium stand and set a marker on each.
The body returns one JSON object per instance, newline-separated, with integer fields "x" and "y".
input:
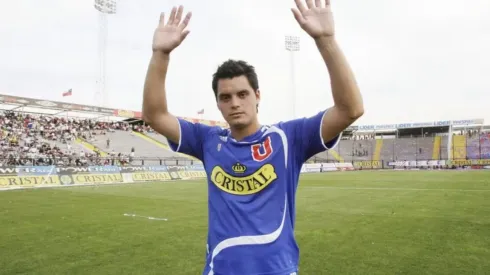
{"x": 365, "y": 145}
{"x": 39, "y": 132}
{"x": 31, "y": 137}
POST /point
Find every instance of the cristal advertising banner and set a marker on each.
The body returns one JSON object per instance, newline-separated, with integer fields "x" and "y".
{"x": 145, "y": 173}
{"x": 422, "y": 163}
{"x": 329, "y": 167}
{"x": 195, "y": 167}
{"x": 312, "y": 168}
{"x": 174, "y": 170}
{"x": 468, "y": 162}
{"x": 28, "y": 170}
{"x": 417, "y": 163}
{"x": 89, "y": 175}
{"x": 140, "y": 168}
{"x": 71, "y": 170}
{"x": 326, "y": 167}
{"x": 368, "y": 164}
{"x": 9, "y": 170}
{"x": 28, "y": 176}
{"x": 193, "y": 172}
{"x": 15, "y": 177}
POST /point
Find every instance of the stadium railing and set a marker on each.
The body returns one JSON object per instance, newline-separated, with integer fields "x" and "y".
{"x": 86, "y": 161}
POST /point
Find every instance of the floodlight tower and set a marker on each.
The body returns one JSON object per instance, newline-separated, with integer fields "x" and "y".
{"x": 292, "y": 46}
{"x": 105, "y": 8}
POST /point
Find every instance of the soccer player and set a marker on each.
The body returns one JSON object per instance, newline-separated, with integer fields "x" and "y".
{"x": 252, "y": 169}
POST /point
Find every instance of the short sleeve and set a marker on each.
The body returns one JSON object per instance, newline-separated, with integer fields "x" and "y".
{"x": 192, "y": 137}
{"x": 306, "y": 136}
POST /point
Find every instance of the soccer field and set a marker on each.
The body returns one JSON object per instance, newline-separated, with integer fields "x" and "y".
{"x": 413, "y": 222}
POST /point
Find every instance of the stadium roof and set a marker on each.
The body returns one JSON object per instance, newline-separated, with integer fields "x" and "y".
{"x": 384, "y": 127}
{"x": 49, "y": 107}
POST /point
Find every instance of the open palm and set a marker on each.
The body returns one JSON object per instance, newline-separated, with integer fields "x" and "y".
{"x": 169, "y": 36}
{"x": 316, "y": 18}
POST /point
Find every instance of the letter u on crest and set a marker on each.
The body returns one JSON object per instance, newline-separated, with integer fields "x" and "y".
{"x": 262, "y": 151}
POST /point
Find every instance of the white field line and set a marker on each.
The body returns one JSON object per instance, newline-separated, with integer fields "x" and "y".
{"x": 395, "y": 189}
{"x": 145, "y": 217}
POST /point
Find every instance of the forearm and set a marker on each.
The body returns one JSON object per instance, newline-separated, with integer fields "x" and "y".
{"x": 345, "y": 91}
{"x": 154, "y": 96}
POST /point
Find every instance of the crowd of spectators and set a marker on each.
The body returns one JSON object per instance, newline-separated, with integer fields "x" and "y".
{"x": 28, "y": 139}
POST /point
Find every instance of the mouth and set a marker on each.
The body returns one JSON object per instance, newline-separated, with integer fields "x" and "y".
{"x": 237, "y": 114}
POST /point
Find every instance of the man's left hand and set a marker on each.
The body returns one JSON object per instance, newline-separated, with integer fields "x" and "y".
{"x": 316, "y": 18}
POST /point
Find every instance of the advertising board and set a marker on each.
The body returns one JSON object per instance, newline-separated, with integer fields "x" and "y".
{"x": 368, "y": 164}
{"x": 15, "y": 177}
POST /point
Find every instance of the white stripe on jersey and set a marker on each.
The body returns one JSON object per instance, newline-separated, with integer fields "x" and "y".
{"x": 249, "y": 240}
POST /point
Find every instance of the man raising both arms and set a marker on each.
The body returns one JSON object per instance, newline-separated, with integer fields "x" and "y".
{"x": 252, "y": 169}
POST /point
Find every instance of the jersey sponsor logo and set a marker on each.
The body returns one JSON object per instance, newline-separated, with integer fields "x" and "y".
{"x": 245, "y": 185}
{"x": 262, "y": 151}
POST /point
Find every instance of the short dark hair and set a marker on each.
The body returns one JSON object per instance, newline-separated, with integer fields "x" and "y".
{"x": 234, "y": 68}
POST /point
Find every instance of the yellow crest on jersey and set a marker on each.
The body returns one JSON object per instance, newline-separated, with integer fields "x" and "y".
{"x": 245, "y": 185}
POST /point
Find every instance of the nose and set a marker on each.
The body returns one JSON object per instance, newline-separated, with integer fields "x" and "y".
{"x": 235, "y": 102}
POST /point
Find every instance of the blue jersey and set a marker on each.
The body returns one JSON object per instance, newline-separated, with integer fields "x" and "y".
{"x": 251, "y": 192}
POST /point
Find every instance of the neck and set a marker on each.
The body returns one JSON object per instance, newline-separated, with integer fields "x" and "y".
{"x": 239, "y": 133}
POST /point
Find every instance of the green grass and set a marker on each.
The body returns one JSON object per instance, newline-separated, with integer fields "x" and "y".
{"x": 418, "y": 222}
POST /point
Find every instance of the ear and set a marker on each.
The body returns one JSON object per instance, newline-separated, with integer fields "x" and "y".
{"x": 257, "y": 96}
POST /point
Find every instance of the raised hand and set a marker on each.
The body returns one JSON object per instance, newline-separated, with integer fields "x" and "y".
{"x": 316, "y": 19}
{"x": 169, "y": 36}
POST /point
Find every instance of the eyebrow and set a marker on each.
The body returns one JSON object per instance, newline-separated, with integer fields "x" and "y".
{"x": 230, "y": 93}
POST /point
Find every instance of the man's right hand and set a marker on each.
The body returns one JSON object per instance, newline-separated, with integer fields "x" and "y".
{"x": 168, "y": 36}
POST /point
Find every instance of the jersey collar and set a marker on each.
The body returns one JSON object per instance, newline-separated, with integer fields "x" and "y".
{"x": 249, "y": 139}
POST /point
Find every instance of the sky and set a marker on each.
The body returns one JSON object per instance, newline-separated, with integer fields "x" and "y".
{"x": 415, "y": 61}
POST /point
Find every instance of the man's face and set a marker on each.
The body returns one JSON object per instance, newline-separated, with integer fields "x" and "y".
{"x": 237, "y": 101}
